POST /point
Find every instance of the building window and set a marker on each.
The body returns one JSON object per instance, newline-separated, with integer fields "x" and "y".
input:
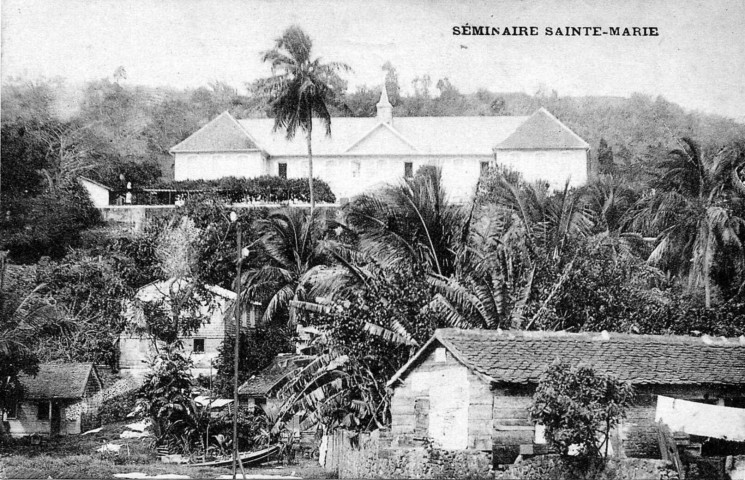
{"x": 198, "y": 345}
{"x": 42, "y": 412}
{"x": 12, "y": 412}
{"x": 283, "y": 170}
{"x": 484, "y": 167}
{"x": 441, "y": 355}
{"x": 356, "y": 165}
{"x": 408, "y": 169}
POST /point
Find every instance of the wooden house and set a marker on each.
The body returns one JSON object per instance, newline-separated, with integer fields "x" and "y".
{"x": 471, "y": 389}
{"x": 203, "y": 345}
{"x": 60, "y": 400}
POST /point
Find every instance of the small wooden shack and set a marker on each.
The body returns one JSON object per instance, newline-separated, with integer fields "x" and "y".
{"x": 262, "y": 388}
{"x": 470, "y": 389}
{"x": 59, "y": 400}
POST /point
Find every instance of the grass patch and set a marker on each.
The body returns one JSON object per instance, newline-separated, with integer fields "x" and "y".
{"x": 75, "y": 456}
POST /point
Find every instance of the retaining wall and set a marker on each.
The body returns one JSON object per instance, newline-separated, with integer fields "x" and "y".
{"x": 373, "y": 456}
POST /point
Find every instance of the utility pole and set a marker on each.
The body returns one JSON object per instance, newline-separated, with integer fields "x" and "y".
{"x": 236, "y": 461}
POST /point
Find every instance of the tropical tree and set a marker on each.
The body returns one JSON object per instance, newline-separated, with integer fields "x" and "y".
{"x": 300, "y": 88}
{"x": 696, "y": 211}
{"x": 19, "y": 323}
{"x": 291, "y": 241}
{"x": 410, "y": 223}
{"x": 580, "y": 407}
{"x": 540, "y": 228}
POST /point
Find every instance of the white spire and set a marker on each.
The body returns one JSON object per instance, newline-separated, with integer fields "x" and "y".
{"x": 384, "y": 107}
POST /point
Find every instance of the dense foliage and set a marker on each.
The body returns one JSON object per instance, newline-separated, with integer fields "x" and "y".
{"x": 579, "y": 408}
{"x": 260, "y": 189}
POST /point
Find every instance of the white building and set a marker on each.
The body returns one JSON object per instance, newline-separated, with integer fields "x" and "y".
{"x": 202, "y": 347}
{"x": 363, "y": 153}
{"x": 100, "y": 194}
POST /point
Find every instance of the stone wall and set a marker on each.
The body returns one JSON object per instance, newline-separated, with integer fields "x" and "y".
{"x": 372, "y": 456}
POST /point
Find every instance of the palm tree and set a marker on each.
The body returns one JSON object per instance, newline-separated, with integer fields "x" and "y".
{"x": 696, "y": 212}
{"x": 300, "y": 87}
{"x": 410, "y": 222}
{"x": 291, "y": 240}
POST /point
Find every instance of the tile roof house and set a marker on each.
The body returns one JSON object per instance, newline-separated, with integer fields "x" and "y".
{"x": 362, "y": 153}
{"x": 470, "y": 389}
{"x": 59, "y": 400}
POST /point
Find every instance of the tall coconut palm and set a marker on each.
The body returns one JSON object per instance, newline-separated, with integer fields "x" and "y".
{"x": 696, "y": 212}
{"x": 299, "y": 89}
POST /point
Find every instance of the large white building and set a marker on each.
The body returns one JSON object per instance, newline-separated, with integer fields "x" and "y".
{"x": 363, "y": 153}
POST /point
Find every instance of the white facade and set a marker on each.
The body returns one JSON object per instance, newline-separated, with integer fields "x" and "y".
{"x": 99, "y": 193}
{"x": 365, "y": 153}
{"x": 214, "y": 165}
{"x": 554, "y": 166}
{"x": 201, "y": 347}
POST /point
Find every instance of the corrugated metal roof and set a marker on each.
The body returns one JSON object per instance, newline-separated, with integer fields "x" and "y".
{"x": 521, "y": 357}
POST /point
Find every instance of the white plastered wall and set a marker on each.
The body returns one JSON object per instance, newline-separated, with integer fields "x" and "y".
{"x": 553, "y": 166}
{"x": 211, "y": 166}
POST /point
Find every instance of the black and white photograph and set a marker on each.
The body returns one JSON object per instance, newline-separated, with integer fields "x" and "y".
{"x": 433, "y": 239}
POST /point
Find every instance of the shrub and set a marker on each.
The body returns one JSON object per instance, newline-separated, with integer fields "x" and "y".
{"x": 264, "y": 189}
{"x": 117, "y": 408}
{"x": 579, "y": 407}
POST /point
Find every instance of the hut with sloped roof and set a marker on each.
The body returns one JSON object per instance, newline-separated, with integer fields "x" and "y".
{"x": 61, "y": 399}
{"x": 471, "y": 389}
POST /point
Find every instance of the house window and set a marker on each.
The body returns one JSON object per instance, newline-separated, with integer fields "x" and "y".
{"x": 283, "y": 170}
{"x": 484, "y": 167}
{"x": 408, "y": 169}
{"x": 198, "y": 345}
{"x": 42, "y": 412}
{"x": 12, "y": 412}
{"x": 441, "y": 355}
{"x": 356, "y": 169}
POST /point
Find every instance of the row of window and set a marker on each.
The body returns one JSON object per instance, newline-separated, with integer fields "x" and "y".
{"x": 408, "y": 169}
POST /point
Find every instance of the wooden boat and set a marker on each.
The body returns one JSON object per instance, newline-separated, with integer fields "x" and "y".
{"x": 248, "y": 458}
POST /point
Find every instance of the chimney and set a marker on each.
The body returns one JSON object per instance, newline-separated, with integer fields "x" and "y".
{"x": 384, "y": 107}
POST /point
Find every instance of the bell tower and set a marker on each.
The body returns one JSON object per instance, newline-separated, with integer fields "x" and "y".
{"x": 384, "y": 107}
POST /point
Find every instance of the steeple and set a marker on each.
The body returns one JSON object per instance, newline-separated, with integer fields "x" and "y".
{"x": 384, "y": 107}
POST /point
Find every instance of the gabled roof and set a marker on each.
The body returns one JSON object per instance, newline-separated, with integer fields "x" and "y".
{"x": 223, "y": 134}
{"x": 268, "y": 381}
{"x": 86, "y": 179}
{"x": 542, "y": 131}
{"x": 521, "y": 357}
{"x": 59, "y": 380}
{"x": 159, "y": 290}
{"x": 427, "y": 135}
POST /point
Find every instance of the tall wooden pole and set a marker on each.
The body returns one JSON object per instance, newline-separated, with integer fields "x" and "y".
{"x": 237, "y": 347}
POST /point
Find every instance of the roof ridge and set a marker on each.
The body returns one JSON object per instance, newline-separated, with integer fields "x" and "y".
{"x": 604, "y": 335}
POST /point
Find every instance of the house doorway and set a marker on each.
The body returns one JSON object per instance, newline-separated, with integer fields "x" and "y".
{"x": 55, "y": 420}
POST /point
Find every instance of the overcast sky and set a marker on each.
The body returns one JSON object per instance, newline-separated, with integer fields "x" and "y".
{"x": 698, "y": 59}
